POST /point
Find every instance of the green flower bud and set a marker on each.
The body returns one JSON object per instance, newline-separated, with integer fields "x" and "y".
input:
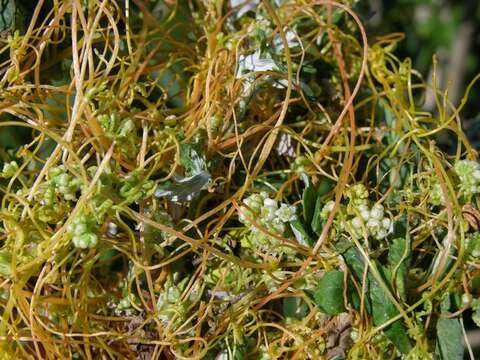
{"x": 9, "y": 169}
{"x": 469, "y": 174}
{"x": 82, "y": 231}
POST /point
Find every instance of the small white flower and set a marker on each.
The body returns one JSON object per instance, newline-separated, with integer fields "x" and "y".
{"x": 357, "y": 223}
{"x": 377, "y": 212}
{"x": 359, "y": 191}
{"x": 365, "y": 215}
{"x": 373, "y": 224}
{"x": 476, "y": 175}
{"x": 466, "y": 299}
{"x": 381, "y": 234}
{"x": 327, "y": 209}
{"x": 269, "y": 208}
{"x": 286, "y": 213}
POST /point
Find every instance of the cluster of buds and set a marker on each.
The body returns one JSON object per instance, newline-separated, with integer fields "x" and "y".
{"x": 169, "y": 305}
{"x": 259, "y": 212}
{"x": 266, "y": 213}
{"x": 9, "y": 169}
{"x": 134, "y": 186}
{"x": 82, "y": 232}
{"x": 473, "y": 245}
{"x": 64, "y": 183}
{"x": 362, "y": 218}
{"x": 373, "y": 221}
{"x": 469, "y": 174}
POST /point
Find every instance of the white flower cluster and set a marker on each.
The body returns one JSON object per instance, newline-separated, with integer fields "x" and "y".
{"x": 365, "y": 218}
{"x": 269, "y": 215}
{"x": 373, "y": 220}
{"x": 266, "y": 213}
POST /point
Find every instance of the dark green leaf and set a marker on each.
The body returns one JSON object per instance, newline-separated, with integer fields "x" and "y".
{"x": 357, "y": 267}
{"x": 324, "y": 186}
{"x": 377, "y": 301}
{"x": 399, "y": 261}
{"x": 294, "y": 307}
{"x": 308, "y": 198}
{"x": 317, "y": 220}
{"x": 8, "y": 10}
{"x": 383, "y": 310}
{"x": 449, "y": 340}
{"x": 355, "y": 263}
{"x": 328, "y": 294}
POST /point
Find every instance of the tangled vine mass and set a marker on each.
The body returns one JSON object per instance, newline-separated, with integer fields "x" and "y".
{"x": 229, "y": 180}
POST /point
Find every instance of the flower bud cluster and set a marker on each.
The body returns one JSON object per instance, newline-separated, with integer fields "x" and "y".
{"x": 9, "y": 169}
{"x": 373, "y": 220}
{"x": 169, "y": 305}
{"x": 64, "y": 183}
{"x": 134, "y": 187}
{"x": 363, "y": 217}
{"x": 269, "y": 215}
{"x": 473, "y": 245}
{"x": 82, "y": 232}
{"x": 436, "y": 195}
{"x": 469, "y": 174}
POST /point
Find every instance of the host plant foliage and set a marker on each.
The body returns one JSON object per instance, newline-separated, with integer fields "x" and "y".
{"x": 228, "y": 180}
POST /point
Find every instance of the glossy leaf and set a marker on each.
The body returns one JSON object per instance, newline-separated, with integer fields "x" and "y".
{"x": 317, "y": 220}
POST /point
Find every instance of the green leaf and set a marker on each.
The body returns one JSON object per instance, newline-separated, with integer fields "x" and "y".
{"x": 294, "y": 307}
{"x": 192, "y": 155}
{"x": 301, "y": 234}
{"x": 357, "y": 267}
{"x": 323, "y": 187}
{"x": 377, "y": 301}
{"x": 355, "y": 263}
{"x": 328, "y": 295}
{"x": 317, "y": 220}
{"x": 449, "y": 340}
{"x": 185, "y": 188}
{"x": 308, "y": 198}
{"x": 383, "y": 310}
{"x": 11, "y": 16}
{"x": 5, "y": 262}
{"x": 399, "y": 261}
